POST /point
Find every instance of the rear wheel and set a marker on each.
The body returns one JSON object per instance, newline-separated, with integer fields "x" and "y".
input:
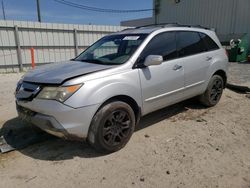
{"x": 214, "y": 91}
{"x": 112, "y": 127}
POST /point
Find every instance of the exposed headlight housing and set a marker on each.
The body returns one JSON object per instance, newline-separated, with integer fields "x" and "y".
{"x": 61, "y": 93}
{"x": 19, "y": 84}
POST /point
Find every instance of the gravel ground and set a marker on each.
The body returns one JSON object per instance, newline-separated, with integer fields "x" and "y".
{"x": 239, "y": 73}
{"x": 184, "y": 145}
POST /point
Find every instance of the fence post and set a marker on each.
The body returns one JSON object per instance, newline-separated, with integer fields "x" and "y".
{"x": 32, "y": 58}
{"x": 19, "y": 55}
{"x": 75, "y": 42}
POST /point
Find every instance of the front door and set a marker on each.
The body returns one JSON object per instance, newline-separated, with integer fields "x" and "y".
{"x": 163, "y": 84}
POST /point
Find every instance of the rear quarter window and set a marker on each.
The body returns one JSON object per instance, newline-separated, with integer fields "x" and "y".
{"x": 189, "y": 43}
{"x": 210, "y": 44}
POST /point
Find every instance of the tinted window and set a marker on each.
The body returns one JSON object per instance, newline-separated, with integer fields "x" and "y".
{"x": 132, "y": 45}
{"x": 112, "y": 49}
{"x": 163, "y": 44}
{"x": 210, "y": 44}
{"x": 189, "y": 43}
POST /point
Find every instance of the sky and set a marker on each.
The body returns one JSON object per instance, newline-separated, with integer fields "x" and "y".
{"x": 54, "y": 12}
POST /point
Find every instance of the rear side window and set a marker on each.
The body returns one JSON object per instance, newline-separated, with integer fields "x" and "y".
{"x": 163, "y": 44}
{"x": 210, "y": 44}
{"x": 189, "y": 43}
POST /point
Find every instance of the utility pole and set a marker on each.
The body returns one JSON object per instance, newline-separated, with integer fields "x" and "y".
{"x": 38, "y": 10}
{"x": 4, "y": 17}
{"x": 156, "y": 10}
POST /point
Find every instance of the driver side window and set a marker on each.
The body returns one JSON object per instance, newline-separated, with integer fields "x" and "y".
{"x": 163, "y": 44}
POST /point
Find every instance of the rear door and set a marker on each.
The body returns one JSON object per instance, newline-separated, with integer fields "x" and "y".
{"x": 192, "y": 51}
{"x": 161, "y": 84}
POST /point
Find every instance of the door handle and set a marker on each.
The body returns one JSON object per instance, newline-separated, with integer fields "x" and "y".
{"x": 209, "y": 58}
{"x": 177, "y": 67}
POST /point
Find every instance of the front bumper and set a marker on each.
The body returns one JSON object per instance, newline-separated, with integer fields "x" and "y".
{"x": 56, "y": 118}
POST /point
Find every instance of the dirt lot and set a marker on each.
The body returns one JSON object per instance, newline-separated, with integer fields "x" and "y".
{"x": 184, "y": 145}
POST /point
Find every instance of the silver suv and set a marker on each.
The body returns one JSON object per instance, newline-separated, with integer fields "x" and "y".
{"x": 101, "y": 94}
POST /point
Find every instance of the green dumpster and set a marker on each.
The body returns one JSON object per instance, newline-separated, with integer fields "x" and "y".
{"x": 236, "y": 46}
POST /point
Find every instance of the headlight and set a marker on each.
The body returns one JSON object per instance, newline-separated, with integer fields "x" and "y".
{"x": 60, "y": 94}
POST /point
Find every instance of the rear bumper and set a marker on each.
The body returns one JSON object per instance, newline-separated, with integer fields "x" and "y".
{"x": 56, "y": 118}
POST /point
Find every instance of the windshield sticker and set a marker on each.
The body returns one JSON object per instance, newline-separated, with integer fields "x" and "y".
{"x": 131, "y": 38}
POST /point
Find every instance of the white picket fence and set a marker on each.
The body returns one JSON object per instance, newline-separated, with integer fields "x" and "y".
{"x": 52, "y": 42}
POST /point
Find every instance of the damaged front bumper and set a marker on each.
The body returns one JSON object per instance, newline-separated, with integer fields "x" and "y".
{"x": 44, "y": 122}
{"x": 56, "y": 118}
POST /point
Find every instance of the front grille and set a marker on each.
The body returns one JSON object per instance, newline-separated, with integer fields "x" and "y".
{"x": 27, "y": 91}
{"x": 30, "y": 86}
{"x": 25, "y": 110}
{"x": 24, "y": 113}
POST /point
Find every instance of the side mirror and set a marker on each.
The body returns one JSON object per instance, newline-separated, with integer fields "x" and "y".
{"x": 153, "y": 60}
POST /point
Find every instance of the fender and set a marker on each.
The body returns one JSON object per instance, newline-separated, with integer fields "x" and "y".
{"x": 215, "y": 66}
{"x": 97, "y": 91}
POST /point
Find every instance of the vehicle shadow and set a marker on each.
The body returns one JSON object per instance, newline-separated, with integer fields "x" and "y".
{"x": 168, "y": 112}
{"x": 42, "y": 146}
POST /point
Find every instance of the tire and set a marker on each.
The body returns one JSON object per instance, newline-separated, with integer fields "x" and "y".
{"x": 213, "y": 92}
{"x": 111, "y": 127}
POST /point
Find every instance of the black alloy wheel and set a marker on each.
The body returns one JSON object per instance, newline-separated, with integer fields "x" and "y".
{"x": 111, "y": 127}
{"x": 117, "y": 128}
{"x": 216, "y": 90}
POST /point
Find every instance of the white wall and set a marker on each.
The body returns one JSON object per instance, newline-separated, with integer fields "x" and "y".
{"x": 51, "y": 41}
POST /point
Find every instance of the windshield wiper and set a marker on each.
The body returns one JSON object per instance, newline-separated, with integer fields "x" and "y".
{"x": 96, "y": 61}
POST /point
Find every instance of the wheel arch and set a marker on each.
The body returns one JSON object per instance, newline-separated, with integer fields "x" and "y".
{"x": 126, "y": 99}
{"x": 123, "y": 98}
{"x": 223, "y": 74}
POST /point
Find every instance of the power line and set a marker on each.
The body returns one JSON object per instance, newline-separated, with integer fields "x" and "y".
{"x": 95, "y": 9}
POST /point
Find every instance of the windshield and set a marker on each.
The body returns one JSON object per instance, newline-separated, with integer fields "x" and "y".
{"x": 112, "y": 50}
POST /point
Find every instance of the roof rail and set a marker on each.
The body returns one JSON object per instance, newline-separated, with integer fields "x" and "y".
{"x": 159, "y": 24}
{"x": 172, "y": 25}
{"x": 128, "y": 29}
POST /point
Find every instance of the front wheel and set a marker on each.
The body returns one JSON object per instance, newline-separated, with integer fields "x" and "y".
{"x": 112, "y": 127}
{"x": 214, "y": 91}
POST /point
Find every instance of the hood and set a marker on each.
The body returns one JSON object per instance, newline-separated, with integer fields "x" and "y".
{"x": 57, "y": 73}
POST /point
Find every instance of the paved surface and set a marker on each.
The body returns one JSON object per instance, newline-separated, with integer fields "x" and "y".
{"x": 239, "y": 74}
